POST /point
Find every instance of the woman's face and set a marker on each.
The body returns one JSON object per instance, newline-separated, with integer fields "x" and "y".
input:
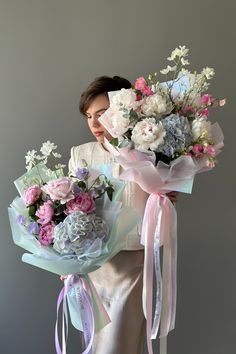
{"x": 98, "y": 106}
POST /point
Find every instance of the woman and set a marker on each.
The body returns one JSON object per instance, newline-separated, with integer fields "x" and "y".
{"x": 119, "y": 281}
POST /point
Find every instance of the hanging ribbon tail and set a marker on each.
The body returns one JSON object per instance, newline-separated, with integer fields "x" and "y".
{"x": 159, "y": 228}
{"x": 79, "y": 286}
{"x": 101, "y": 318}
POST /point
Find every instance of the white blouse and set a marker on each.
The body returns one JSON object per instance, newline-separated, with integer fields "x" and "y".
{"x": 132, "y": 196}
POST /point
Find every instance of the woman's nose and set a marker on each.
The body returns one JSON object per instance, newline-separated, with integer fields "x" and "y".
{"x": 95, "y": 122}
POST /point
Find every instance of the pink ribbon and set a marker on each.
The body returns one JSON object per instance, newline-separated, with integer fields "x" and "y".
{"x": 86, "y": 312}
{"x": 159, "y": 229}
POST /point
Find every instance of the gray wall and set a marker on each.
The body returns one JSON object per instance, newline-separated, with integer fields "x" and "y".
{"x": 49, "y": 51}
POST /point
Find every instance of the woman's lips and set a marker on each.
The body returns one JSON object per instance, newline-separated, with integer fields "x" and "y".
{"x": 98, "y": 133}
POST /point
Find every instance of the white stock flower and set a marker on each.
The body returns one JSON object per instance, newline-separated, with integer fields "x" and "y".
{"x": 168, "y": 69}
{"x": 147, "y": 134}
{"x": 56, "y": 155}
{"x": 124, "y": 98}
{"x": 182, "y": 51}
{"x": 208, "y": 73}
{"x": 200, "y": 126}
{"x": 47, "y": 148}
{"x": 156, "y": 105}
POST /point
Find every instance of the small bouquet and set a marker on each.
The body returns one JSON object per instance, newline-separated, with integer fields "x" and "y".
{"x": 162, "y": 138}
{"x": 71, "y": 225}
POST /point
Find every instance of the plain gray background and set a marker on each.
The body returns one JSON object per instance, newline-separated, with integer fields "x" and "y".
{"x": 49, "y": 51}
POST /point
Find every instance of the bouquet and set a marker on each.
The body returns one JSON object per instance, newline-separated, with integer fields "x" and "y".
{"x": 162, "y": 137}
{"x": 71, "y": 225}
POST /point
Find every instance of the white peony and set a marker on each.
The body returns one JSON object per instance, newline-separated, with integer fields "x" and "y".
{"x": 156, "y": 105}
{"x": 199, "y": 126}
{"x": 147, "y": 134}
{"x": 124, "y": 98}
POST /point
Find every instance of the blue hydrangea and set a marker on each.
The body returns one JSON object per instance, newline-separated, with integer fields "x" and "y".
{"x": 178, "y": 135}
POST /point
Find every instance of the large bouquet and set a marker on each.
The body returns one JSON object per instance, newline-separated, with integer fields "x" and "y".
{"x": 71, "y": 225}
{"x": 162, "y": 137}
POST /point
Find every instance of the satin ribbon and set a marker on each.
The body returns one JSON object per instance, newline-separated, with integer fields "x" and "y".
{"x": 79, "y": 285}
{"x": 159, "y": 229}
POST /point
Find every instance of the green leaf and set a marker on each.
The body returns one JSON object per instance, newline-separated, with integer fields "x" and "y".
{"x": 114, "y": 141}
{"x": 110, "y": 191}
{"x": 32, "y": 211}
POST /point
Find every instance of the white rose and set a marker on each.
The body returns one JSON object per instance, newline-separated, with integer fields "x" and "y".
{"x": 147, "y": 134}
{"x": 156, "y": 105}
{"x": 199, "y": 126}
{"x": 124, "y": 98}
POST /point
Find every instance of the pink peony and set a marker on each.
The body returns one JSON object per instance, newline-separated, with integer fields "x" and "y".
{"x": 141, "y": 85}
{"x": 32, "y": 194}
{"x": 60, "y": 189}
{"x": 82, "y": 202}
{"x": 45, "y": 213}
{"x": 46, "y": 234}
{"x": 206, "y": 100}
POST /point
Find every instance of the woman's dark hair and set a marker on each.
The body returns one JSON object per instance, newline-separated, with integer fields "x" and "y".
{"x": 101, "y": 85}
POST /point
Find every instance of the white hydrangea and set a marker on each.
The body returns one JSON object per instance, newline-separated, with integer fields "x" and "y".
{"x": 199, "y": 126}
{"x": 124, "y": 98}
{"x": 147, "y": 134}
{"x": 156, "y": 105}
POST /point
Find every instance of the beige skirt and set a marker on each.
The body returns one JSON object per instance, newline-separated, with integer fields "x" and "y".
{"x": 119, "y": 284}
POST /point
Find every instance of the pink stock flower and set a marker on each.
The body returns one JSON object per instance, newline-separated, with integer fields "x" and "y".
{"x": 45, "y": 213}
{"x": 60, "y": 189}
{"x": 210, "y": 150}
{"x": 206, "y": 99}
{"x": 141, "y": 85}
{"x": 82, "y": 202}
{"x": 204, "y": 112}
{"x": 46, "y": 234}
{"x": 32, "y": 194}
{"x": 197, "y": 150}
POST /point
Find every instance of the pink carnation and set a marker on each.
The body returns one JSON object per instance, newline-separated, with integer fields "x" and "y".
{"x": 141, "y": 85}
{"x": 45, "y": 213}
{"x": 60, "y": 189}
{"x": 82, "y": 202}
{"x": 46, "y": 234}
{"x": 32, "y": 194}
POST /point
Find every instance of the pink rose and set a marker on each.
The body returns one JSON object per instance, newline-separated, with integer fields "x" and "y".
{"x": 46, "y": 234}
{"x": 197, "y": 150}
{"x": 45, "y": 213}
{"x": 141, "y": 85}
{"x": 206, "y": 100}
{"x": 210, "y": 150}
{"x": 32, "y": 194}
{"x": 82, "y": 202}
{"x": 60, "y": 189}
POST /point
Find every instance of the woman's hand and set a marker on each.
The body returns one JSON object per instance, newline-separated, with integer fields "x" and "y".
{"x": 173, "y": 196}
{"x": 63, "y": 277}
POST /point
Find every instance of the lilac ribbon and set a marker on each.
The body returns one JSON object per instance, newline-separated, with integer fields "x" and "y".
{"x": 79, "y": 285}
